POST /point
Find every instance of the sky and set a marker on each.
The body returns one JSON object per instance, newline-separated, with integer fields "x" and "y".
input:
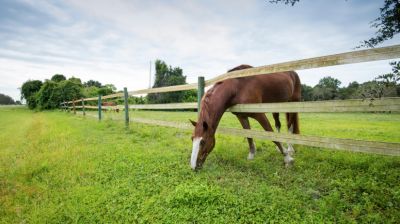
{"x": 115, "y": 41}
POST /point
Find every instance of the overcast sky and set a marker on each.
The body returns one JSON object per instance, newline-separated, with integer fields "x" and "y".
{"x": 114, "y": 41}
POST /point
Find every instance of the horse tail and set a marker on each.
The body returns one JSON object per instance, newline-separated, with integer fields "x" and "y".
{"x": 293, "y": 118}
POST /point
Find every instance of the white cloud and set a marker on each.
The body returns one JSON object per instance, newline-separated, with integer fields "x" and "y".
{"x": 114, "y": 42}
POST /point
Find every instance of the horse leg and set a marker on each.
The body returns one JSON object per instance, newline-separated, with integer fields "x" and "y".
{"x": 293, "y": 128}
{"x": 244, "y": 121}
{"x": 277, "y": 121}
{"x": 262, "y": 119}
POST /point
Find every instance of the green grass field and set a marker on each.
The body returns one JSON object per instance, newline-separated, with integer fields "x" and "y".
{"x": 59, "y": 168}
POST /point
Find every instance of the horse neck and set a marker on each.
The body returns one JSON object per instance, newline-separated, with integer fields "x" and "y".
{"x": 213, "y": 107}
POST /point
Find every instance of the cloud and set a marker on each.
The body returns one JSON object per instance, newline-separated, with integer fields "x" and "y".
{"x": 114, "y": 42}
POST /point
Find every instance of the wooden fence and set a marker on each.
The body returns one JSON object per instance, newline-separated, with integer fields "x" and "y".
{"x": 367, "y": 105}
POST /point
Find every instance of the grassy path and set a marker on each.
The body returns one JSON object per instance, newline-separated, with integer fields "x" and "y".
{"x": 59, "y": 168}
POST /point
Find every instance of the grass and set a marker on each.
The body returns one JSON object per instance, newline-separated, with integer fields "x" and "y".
{"x": 60, "y": 168}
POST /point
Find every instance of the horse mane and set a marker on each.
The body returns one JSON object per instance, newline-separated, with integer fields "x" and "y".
{"x": 240, "y": 67}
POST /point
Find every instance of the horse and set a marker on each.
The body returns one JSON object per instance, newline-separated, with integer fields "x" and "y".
{"x": 264, "y": 88}
{"x": 112, "y": 106}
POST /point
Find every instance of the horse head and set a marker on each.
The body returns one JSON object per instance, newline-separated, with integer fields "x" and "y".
{"x": 203, "y": 140}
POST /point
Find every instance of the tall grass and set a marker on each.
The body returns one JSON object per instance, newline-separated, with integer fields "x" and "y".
{"x": 60, "y": 168}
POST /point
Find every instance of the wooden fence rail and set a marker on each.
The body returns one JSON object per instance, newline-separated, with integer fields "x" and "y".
{"x": 357, "y": 105}
{"x": 366, "y": 105}
{"x": 383, "y": 148}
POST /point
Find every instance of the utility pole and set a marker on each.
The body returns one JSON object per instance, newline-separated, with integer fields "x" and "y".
{"x": 150, "y": 77}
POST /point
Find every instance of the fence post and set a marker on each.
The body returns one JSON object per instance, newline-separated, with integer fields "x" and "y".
{"x": 99, "y": 104}
{"x": 200, "y": 92}
{"x": 73, "y": 106}
{"x": 83, "y": 107}
{"x": 126, "y": 106}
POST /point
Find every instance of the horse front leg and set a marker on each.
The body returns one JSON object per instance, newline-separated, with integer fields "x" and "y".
{"x": 262, "y": 119}
{"x": 244, "y": 121}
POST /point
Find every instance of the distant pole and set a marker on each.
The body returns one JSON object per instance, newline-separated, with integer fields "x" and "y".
{"x": 150, "y": 77}
{"x": 99, "y": 104}
{"x": 83, "y": 107}
{"x": 126, "y": 106}
{"x": 200, "y": 92}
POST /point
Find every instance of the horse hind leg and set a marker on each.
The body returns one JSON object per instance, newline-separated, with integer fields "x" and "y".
{"x": 293, "y": 128}
{"x": 262, "y": 119}
{"x": 244, "y": 121}
{"x": 277, "y": 121}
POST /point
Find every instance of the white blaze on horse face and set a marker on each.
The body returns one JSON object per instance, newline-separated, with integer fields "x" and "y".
{"x": 195, "y": 152}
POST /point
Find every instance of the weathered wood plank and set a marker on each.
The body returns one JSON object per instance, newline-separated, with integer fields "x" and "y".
{"x": 115, "y": 95}
{"x": 165, "y": 89}
{"x": 383, "y": 148}
{"x": 164, "y": 106}
{"x": 356, "y": 105}
{"x": 352, "y": 57}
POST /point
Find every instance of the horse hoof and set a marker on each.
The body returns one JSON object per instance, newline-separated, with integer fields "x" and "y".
{"x": 289, "y": 161}
{"x": 291, "y": 151}
{"x": 250, "y": 156}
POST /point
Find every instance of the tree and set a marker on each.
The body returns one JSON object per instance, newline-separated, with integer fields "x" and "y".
{"x": 286, "y": 2}
{"x": 168, "y": 76}
{"x": 6, "y": 100}
{"x": 326, "y": 89}
{"x": 107, "y": 89}
{"x": 51, "y": 94}
{"x": 91, "y": 83}
{"x": 388, "y": 22}
{"x": 349, "y": 91}
{"x": 29, "y": 89}
{"x": 46, "y": 97}
{"x": 58, "y": 78}
{"x": 306, "y": 92}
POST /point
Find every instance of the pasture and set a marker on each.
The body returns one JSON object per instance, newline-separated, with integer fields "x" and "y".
{"x": 59, "y": 168}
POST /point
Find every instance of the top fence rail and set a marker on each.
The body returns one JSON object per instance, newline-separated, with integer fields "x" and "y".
{"x": 374, "y": 54}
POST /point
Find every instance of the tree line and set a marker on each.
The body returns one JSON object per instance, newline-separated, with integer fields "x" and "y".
{"x": 50, "y": 93}
{"x": 8, "y": 100}
{"x": 328, "y": 88}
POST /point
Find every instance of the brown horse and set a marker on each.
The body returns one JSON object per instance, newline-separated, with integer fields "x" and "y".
{"x": 266, "y": 88}
{"x": 111, "y": 105}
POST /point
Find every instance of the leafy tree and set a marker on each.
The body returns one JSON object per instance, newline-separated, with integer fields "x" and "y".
{"x": 91, "y": 83}
{"x": 46, "y": 97}
{"x": 90, "y": 91}
{"x": 29, "y": 89}
{"x": 58, "y": 78}
{"x": 52, "y": 93}
{"x": 107, "y": 90}
{"x": 388, "y": 23}
{"x": 168, "y": 76}
{"x": 6, "y": 100}
{"x": 349, "y": 91}
{"x": 306, "y": 92}
{"x": 286, "y": 2}
{"x": 326, "y": 89}
{"x": 75, "y": 80}
{"x": 70, "y": 90}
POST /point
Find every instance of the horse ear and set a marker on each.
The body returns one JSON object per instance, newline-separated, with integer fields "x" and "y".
{"x": 194, "y": 123}
{"x": 205, "y": 126}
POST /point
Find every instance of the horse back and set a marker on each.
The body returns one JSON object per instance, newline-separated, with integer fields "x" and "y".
{"x": 268, "y": 88}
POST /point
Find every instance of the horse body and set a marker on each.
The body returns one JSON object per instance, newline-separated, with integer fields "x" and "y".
{"x": 267, "y": 88}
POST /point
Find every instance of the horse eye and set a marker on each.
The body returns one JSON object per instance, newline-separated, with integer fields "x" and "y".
{"x": 202, "y": 142}
{"x": 192, "y": 138}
